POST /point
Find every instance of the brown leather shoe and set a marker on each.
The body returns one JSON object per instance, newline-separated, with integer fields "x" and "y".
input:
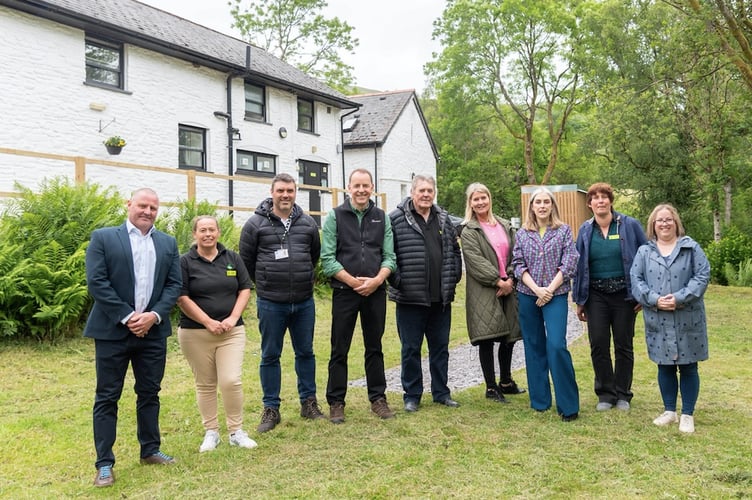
{"x": 158, "y": 458}
{"x": 104, "y": 477}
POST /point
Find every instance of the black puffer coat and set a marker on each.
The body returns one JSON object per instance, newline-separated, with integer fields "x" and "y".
{"x": 285, "y": 280}
{"x": 408, "y": 283}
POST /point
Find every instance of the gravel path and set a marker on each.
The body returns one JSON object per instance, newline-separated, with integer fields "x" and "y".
{"x": 464, "y": 367}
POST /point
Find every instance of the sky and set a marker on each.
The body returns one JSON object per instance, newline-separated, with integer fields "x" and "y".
{"x": 395, "y": 35}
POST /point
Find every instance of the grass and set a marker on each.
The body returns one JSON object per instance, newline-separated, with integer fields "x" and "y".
{"x": 479, "y": 450}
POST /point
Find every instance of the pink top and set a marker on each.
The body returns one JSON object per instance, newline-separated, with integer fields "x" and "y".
{"x": 499, "y": 242}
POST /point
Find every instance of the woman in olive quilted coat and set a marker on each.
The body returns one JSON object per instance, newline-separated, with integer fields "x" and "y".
{"x": 491, "y": 304}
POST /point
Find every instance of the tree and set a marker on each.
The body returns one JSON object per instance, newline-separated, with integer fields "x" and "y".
{"x": 513, "y": 57}
{"x": 730, "y": 21}
{"x": 296, "y": 32}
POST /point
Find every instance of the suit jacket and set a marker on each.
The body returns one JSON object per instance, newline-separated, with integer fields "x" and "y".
{"x": 111, "y": 282}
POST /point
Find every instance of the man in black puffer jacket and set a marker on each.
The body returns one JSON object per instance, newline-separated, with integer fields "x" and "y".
{"x": 429, "y": 266}
{"x": 280, "y": 246}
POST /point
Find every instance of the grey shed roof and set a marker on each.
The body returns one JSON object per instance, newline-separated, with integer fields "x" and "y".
{"x": 132, "y": 22}
{"x": 377, "y": 116}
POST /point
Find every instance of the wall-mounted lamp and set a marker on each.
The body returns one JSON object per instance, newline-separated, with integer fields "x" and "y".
{"x": 236, "y": 134}
{"x": 282, "y": 132}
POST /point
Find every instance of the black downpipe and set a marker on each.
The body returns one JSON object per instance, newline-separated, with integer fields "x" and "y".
{"x": 376, "y": 172}
{"x": 231, "y": 131}
{"x": 342, "y": 142}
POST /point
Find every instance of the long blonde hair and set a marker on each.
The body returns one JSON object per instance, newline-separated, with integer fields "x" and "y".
{"x": 477, "y": 187}
{"x": 531, "y": 222}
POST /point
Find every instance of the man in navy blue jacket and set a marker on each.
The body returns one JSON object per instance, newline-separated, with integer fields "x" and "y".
{"x": 133, "y": 274}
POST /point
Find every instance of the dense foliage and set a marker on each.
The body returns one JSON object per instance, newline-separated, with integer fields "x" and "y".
{"x": 43, "y": 291}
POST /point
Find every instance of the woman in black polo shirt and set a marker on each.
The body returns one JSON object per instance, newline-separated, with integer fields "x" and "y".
{"x": 216, "y": 289}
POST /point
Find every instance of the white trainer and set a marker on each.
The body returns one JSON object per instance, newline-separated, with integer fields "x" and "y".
{"x": 240, "y": 438}
{"x": 687, "y": 424}
{"x": 211, "y": 440}
{"x": 665, "y": 418}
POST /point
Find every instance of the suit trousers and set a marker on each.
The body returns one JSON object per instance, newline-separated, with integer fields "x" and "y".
{"x": 544, "y": 333}
{"x": 147, "y": 357}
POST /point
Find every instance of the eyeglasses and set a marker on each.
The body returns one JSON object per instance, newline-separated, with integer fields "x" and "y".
{"x": 664, "y": 221}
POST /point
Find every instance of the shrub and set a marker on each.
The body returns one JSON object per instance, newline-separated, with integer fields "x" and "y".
{"x": 741, "y": 276}
{"x": 43, "y": 292}
{"x": 734, "y": 248}
{"x": 177, "y": 221}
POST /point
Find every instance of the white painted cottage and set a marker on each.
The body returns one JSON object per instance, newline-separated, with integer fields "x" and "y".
{"x": 202, "y": 111}
{"x": 388, "y": 135}
{"x": 184, "y": 97}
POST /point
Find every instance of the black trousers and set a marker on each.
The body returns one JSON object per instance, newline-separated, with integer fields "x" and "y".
{"x": 147, "y": 357}
{"x": 347, "y": 305}
{"x": 611, "y": 315}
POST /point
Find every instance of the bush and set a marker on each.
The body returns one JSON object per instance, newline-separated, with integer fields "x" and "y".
{"x": 177, "y": 221}
{"x": 741, "y": 276}
{"x": 734, "y": 248}
{"x": 43, "y": 292}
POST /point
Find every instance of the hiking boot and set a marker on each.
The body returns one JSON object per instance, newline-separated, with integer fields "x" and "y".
{"x": 269, "y": 419}
{"x": 310, "y": 409}
{"x": 337, "y": 412}
{"x": 381, "y": 408}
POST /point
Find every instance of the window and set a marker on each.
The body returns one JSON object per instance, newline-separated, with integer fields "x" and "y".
{"x": 104, "y": 63}
{"x": 305, "y": 115}
{"x": 255, "y": 102}
{"x": 256, "y": 163}
{"x": 192, "y": 147}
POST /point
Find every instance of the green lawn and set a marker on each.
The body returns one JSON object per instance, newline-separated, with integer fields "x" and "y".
{"x": 481, "y": 450}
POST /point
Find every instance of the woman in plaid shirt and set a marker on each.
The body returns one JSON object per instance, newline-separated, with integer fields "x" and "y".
{"x": 544, "y": 260}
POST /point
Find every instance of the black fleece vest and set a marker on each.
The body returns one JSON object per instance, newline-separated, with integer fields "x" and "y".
{"x": 359, "y": 247}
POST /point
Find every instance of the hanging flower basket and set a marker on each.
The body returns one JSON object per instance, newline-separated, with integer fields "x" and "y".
{"x": 114, "y": 144}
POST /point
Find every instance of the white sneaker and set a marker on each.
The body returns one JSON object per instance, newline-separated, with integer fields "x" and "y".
{"x": 665, "y": 418}
{"x": 240, "y": 438}
{"x": 622, "y": 405}
{"x": 211, "y": 440}
{"x": 687, "y": 423}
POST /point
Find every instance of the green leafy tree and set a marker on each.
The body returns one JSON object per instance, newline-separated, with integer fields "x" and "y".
{"x": 513, "y": 57}
{"x": 296, "y": 32}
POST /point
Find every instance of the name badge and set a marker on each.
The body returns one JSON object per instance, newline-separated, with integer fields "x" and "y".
{"x": 232, "y": 272}
{"x": 613, "y": 236}
{"x": 280, "y": 254}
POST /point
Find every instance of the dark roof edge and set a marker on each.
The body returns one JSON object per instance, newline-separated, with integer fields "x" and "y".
{"x": 88, "y": 24}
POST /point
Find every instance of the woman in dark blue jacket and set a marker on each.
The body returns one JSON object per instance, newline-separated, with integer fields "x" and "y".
{"x": 607, "y": 244}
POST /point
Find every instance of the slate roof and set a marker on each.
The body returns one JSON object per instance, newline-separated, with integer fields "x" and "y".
{"x": 377, "y": 116}
{"x": 139, "y": 24}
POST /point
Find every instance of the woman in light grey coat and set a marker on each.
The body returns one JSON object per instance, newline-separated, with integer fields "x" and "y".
{"x": 669, "y": 276}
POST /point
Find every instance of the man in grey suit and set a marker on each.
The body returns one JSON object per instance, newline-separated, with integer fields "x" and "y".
{"x": 133, "y": 274}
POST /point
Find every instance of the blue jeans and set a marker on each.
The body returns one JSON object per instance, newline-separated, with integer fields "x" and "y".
{"x": 688, "y": 383}
{"x": 544, "y": 333}
{"x": 413, "y": 323}
{"x": 274, "y": 319}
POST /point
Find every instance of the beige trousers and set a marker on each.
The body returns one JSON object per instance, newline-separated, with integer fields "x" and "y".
{"x": 216, "y": 360}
